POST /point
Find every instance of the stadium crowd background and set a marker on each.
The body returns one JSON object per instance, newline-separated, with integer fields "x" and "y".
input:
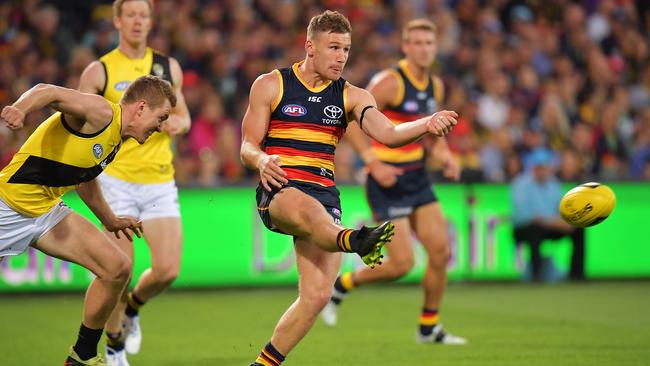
{"x": 571, "y": 76}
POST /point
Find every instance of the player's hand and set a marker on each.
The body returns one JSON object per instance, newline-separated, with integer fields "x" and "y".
{"x": 174, "y": 127}
{"x": 270, "y": 172}
{"x": 442, "y": 122}
{"x": 127, "y": 225}
{"x": 385, "y": 174}
{"x": 13, "y": 117}
{"x": 452, "y": 169}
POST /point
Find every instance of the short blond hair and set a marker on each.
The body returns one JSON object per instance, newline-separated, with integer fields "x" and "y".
{"x": 418, "y": 24}
{"x": 151, "y": 89}
{"x": 330, "y": 22}
{"x": 117, "y": 6}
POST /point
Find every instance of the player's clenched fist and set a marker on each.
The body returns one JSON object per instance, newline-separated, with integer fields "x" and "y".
{"x": 442, "y": 122}
{"x": 13, "y": 117}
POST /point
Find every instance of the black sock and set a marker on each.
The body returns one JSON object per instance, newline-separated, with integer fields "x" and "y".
{"x": 133, "y": 304}
{"x": 86, "y": 346}
{"x": 428, "y": 320}
{"x": 270, "y": 356}
{"x": 115, "y": 341}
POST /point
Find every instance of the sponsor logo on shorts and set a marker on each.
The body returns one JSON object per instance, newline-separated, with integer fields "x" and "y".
{"x": 336, "y": 212}
{"x": 294, "y": 110}
{"x": 399, "y": 211}
{"x": 98, "y": 151}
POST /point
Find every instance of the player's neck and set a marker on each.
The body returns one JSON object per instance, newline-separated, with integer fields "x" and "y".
{"x": 419, "y": 73}
{"x": 133, "y": 50}
{"x": 308, "y": 75}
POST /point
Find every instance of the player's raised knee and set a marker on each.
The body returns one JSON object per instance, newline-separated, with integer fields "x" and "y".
{"x": 166, "y": 274}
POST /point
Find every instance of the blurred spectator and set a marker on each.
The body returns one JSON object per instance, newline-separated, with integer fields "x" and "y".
{"x": 536, "y": 196}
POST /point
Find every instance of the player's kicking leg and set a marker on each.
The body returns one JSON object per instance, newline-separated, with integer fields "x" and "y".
{"x": 398, "y": 263}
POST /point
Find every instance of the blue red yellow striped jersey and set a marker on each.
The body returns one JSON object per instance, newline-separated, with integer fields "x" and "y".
{"x": 306, "y": 125}
{"x": 414, "y": 100}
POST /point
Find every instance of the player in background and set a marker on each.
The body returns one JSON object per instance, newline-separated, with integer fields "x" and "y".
{"x": 68, "y": 151}
{"x": 398, "y": 186}
{"x": 295, "y": 117}
{"x": 141, "y": 184}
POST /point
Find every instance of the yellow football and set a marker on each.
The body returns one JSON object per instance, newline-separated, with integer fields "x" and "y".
{"x": 587, "y": 204}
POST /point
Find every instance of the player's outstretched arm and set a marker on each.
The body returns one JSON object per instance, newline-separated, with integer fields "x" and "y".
{"x": 90, "y": 192}
{"x": 264, "y": 95}
{"x": 79, "y": 108}
{"x": 179, "y": 121}
{"x": 379, "y": 127}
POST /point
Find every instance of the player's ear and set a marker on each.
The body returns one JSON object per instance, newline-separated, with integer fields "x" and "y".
{"x": 309, "y": 47}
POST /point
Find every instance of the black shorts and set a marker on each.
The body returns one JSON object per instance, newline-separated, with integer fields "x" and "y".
{"x": 327, "y": 196}
{"x": 412, "y": 190}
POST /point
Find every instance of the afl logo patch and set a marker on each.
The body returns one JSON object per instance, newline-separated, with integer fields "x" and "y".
{"x": 411, "y": 106}
{"x": 98, "y": 151}
{"x": 333, "y": 112}
{"x": 294, "y": 110}
{"x": 121, "y": 85}
{"x": 157, "y": 70}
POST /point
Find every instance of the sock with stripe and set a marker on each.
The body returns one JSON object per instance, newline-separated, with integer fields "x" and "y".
{"x": 428, "y": 320}
{"x": 115, "y": 341}
{"x": 133, "y": 304}
{"x": 86, "y": 346}
{"x": 269, "y": 357}
{"x": 342, "y": 285}
{"x": 347, "y": 240}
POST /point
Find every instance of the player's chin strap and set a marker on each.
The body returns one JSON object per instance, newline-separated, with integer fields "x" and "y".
{"x": 364, "y": 112}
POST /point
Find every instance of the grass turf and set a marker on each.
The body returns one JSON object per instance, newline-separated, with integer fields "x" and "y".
{"x": 591, "y": 324}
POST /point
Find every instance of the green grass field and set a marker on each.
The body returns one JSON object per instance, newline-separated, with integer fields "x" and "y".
{"x": 591, "y": 324}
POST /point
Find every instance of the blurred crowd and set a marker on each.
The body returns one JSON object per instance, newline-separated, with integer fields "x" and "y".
{"x": 573, "y": 76}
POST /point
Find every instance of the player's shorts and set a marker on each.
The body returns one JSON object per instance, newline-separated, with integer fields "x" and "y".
{"x": 412, "y": 190}
{"x": 142, "y": 201}
{"x": 18, "y": 232}
{"x": 327, "y": 196}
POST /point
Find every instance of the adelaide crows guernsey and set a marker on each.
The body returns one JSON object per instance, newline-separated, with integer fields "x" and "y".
{"x": 151, "y": 162}
{"x": 414, "y": 100}
{"x": 306, "y": 125}
{"x": 54, "y": 160}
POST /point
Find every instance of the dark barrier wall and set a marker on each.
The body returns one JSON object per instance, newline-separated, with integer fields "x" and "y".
{"x": 225, "y": 243}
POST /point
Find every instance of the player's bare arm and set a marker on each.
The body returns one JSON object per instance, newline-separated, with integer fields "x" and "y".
{"x": 91, "y": 193}
{"x": 93, "y": 78}
{"x": 86, "y": 113}
{"x": 378, "y": 126}
{"x": 440, "y": 152}
{"x": 383, "y": 87}
{"x": 179, "y": 121}
{"x": 263, "y": 95}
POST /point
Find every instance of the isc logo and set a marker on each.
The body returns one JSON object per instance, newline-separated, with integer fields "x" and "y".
{"x": 294, "y": 110}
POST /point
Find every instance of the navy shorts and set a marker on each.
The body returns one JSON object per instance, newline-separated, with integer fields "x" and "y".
{"x": 412, "y": 190}
{"x": 327, "y": 196}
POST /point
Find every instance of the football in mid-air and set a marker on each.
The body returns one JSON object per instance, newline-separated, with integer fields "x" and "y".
{"x": 587, "y": 204}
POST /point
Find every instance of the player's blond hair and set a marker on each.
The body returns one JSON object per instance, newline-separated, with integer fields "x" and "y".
{"x": 117, "y": 6}
{"x": 330, "y": 22}
{"x": 417, "y": 24}
{"x": 151, "y": 89}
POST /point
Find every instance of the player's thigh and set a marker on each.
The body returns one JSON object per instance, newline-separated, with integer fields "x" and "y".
{"x": 77, "y": 240}
{"x": 430, "y": 226}
{"x": 317, "y": 269}
{"x": 400, "y": 249}
{"x": 165, "y": 240}
{"x": 296, "y": 213}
